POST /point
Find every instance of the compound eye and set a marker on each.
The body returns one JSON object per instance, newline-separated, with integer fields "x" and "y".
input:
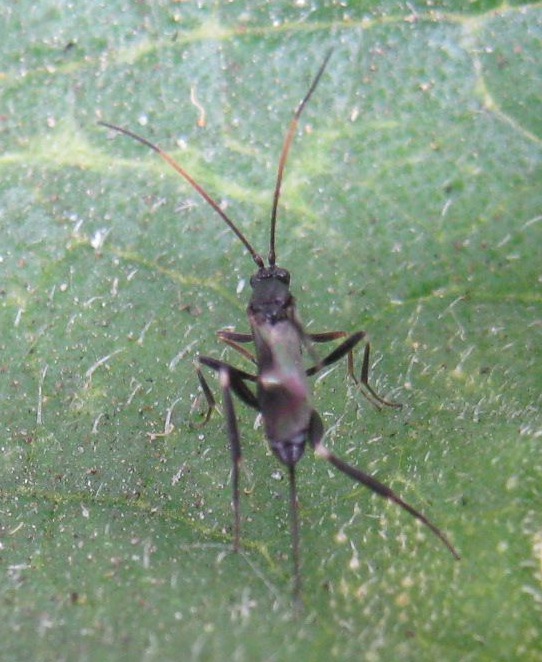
{"x": 283, "y": 276}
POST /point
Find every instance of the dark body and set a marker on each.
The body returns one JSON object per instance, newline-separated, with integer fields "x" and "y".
{"x": 279, "y": 389}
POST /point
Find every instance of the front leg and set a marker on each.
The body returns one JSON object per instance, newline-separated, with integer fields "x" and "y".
{"x": 233, "y": 339}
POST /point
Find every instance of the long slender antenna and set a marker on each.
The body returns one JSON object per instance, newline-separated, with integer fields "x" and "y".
{"x": 284, "y": 155}
{"x": 171, "y": 161}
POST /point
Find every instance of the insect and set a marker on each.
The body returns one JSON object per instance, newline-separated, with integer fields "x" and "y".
{"x": 279, "y": 389}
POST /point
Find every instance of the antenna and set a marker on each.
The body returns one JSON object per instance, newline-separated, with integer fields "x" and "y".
{"x": 171, "y": 161}
{"x": 282, "y": 163}
{"x": 284, "y": 155}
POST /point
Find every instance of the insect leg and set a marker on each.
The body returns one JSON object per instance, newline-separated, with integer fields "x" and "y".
{"x": 231, "y": 380}
{"x": 294, "y": 525}
{"x": 316, "y": 434}
{"x": 209, "y": 397}
{"x": 365, "y": 379}
{"x": 346, "y": 348}
{"x": 327, "y": 336}
{"x": 234, "y": 339}
{"x": 235, "y": 447}
{"x": 237, "y": 382}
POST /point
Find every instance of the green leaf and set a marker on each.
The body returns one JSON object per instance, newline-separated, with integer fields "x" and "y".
{"x": 410, "y": 208}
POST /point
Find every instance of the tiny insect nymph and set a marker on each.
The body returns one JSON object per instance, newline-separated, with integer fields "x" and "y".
{"x": 279, "y": 388}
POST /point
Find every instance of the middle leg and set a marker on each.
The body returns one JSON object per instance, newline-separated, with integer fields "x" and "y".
{"x": 346, "y": 348}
